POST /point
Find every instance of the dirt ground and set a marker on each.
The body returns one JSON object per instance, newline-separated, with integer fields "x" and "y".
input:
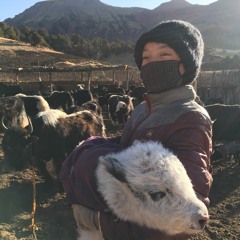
{"x": 54, "y": 219}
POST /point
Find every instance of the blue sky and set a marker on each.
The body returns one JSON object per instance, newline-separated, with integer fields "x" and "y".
{"x": 10, "y": 8}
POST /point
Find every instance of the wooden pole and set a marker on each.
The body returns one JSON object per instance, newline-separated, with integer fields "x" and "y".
{"x": 17, "y": 80}
{"x": 127, "y": 78}
{"x": 81, "y": 76}
{"x": 89, "y": 80}
{"x": 50, "y": 81}
{"x": 113, "y": 76}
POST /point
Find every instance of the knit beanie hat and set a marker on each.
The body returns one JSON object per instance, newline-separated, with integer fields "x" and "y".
{"x": 183, "y": 38}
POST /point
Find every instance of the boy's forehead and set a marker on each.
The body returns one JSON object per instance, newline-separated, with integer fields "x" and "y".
{"x": 155, "y": 45}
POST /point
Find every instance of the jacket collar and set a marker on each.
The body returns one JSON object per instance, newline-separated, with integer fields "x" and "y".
{"x": 172, "y": 95}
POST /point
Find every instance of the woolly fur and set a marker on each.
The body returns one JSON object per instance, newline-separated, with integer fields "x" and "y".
{"x": 148, "y": 167}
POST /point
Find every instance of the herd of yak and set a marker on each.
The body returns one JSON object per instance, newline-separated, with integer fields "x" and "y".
{"x": 42, "y": 130}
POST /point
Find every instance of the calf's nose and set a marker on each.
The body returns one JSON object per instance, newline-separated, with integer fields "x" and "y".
{"x": 201, "y": 221}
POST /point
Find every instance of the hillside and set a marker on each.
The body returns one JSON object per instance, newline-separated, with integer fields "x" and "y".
{"x": 19, "y": 54}
{"x": 218, "y": 22}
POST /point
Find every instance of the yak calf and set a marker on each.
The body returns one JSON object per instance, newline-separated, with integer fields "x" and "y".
{"x": 144, "y": 184}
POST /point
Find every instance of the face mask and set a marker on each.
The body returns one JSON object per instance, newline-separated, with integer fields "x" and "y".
{"x": 161, "y": 75}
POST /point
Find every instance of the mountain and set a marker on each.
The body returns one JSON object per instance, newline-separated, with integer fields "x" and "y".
{"x": 218, "y": 22}
{"x": 89, "y": 18}
{"x": 173, "y": 5}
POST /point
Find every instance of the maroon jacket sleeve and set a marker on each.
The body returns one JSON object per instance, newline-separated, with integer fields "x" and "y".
{"x": 78, "y": 171}
{"x": 191, "y": 140}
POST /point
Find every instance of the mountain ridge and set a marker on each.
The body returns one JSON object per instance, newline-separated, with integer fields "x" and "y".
{"x": 218, "y": 21}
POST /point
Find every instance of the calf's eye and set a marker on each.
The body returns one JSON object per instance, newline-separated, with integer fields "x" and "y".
{"x": 157, "y": 196}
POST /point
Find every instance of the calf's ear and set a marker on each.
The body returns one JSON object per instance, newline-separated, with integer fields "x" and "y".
{"x": 114, "y": 167}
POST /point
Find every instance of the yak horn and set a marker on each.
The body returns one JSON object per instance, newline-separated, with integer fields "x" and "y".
{"x": 3, "y": 124}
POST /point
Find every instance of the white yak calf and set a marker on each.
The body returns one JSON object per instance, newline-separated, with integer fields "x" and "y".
{"x": 148, "y": 185}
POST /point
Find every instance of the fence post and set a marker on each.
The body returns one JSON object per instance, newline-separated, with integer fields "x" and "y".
{"x": 50, "y": 81}
{"x": 113, "y": 76}
{"x": 89, "y": 80}
{"x": 17, "y": 80}
{"x": 213, "y": 75}
{"x": 127, "y": 81}
{"x": 82, "y": 76}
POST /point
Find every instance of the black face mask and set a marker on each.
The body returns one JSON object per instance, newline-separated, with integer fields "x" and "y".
{"x": 161, "y": 75}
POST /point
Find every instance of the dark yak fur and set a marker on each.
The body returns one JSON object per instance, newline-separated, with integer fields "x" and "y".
{"x": 226, "y": 121}
{"x": 60, "y": 100}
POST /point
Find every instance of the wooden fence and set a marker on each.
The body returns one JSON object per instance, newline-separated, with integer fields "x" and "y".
{"x": 210, "y": 85}
{"x": 32, "y": 79}
{"x": 216, "y": 85}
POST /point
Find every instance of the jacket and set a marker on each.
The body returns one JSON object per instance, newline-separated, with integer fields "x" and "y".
{"x": 180, "y": 124}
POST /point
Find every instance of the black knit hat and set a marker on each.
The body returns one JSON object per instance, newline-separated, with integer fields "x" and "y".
{"x": 183, "y": 37}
